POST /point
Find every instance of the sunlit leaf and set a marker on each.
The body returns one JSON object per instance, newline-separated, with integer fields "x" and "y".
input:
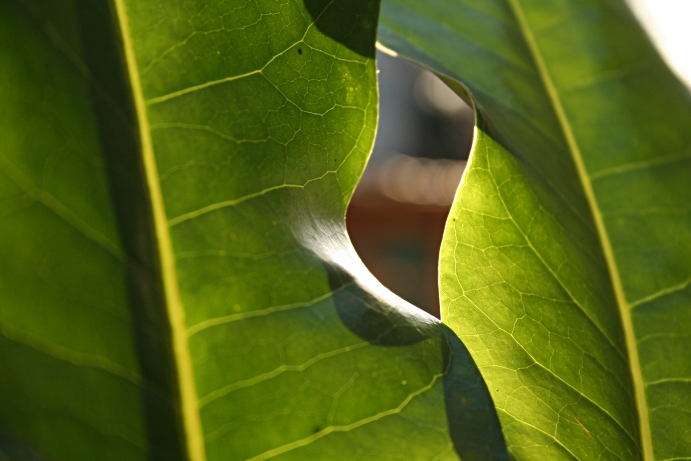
{"x": 175, "y": 277}
{"x": 566, "y": 263}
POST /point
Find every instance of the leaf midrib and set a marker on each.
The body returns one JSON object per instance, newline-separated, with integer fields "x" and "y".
{"x": 622, "y": 304}
{"x": 189, "y": 406}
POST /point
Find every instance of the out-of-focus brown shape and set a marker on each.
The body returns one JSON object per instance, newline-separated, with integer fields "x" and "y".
{"x": 396, "y": 221}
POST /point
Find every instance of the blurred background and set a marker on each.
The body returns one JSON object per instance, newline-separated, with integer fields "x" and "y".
{"x": 397, "y": 215}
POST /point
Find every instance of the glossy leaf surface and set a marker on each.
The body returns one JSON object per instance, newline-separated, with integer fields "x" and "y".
{"x": 566, "y": 262}
{"x": 175, "y": 277}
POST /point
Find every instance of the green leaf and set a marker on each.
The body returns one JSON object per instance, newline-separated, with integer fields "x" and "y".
{"x": 565, "y": 263}
{"x": 176, "y": 281}
{"x": 12, "y": 449}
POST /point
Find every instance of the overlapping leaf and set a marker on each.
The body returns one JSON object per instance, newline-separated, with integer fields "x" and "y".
{"x": 566, "y": 263}
{"x": 175, "y": 277}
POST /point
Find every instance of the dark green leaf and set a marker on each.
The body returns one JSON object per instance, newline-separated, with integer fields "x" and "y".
{"x": 175, "y": 277}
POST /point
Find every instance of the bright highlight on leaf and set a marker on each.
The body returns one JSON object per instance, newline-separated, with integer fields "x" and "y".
{"x": 176, "y": 282}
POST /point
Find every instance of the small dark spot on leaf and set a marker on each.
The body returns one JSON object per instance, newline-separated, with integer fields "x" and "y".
{"x": 299, "y": 50}
{"x": 317, "y": 429}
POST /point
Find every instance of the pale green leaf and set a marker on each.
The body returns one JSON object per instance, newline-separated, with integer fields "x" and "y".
{"x": 566, "y": 263}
